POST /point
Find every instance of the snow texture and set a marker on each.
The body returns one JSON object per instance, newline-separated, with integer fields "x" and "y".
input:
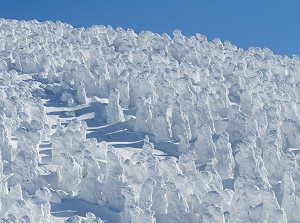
{"x": 105, "y": 125}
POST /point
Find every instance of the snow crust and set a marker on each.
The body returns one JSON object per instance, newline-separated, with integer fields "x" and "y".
{"x": 104, "y": 125}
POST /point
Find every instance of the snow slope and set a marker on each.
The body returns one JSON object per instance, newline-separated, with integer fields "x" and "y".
{"x": 106, "y": 125}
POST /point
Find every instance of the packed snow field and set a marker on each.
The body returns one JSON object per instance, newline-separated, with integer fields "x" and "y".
{"x": 104, "y": 125}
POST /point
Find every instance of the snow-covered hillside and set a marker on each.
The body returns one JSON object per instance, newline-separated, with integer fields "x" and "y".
{"x": 104, "y": 125}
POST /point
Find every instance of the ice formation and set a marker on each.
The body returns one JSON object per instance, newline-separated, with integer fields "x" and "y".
{"x": 114, "y": 110}
{"x": 104, "y": 125}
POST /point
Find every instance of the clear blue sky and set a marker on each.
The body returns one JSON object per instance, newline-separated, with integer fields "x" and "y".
{"x": 265, "y": 23}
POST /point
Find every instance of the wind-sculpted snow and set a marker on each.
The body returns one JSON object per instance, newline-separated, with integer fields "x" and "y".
{"x": 104, "y": 125}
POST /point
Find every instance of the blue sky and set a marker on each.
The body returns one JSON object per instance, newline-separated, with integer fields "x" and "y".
{"x": 263, "y": 23}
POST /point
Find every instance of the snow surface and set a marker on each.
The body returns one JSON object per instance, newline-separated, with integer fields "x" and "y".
{"x": 104, "y": 125}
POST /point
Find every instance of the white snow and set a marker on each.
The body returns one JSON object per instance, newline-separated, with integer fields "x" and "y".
{"x": 104, "y": 125}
